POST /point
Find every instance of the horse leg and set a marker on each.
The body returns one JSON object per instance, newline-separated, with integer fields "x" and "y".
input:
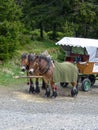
{"x": 28, "y": 82}
{"x": 31, "y": 89}
{"x": 74, "y": 90}
{"x": 54, "y": 89}
{"x": 47, "y": 93}
{"x": 37, "y": 90}
{"x": 43, "y": 84}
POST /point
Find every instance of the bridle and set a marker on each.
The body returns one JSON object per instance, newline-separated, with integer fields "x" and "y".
{"x": 30, "y": 57}
{"x": 24, "y": 65}
{"x": 44, "y": 70}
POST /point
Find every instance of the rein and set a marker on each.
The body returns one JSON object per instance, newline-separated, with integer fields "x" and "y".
{"x": 46, "y": 69}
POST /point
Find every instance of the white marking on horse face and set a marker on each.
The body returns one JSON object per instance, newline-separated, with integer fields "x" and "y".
{"x": 23, "y": 68}
{"x": 31, "y": 70}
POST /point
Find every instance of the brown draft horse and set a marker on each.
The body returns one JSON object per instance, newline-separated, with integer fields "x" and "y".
{"x": 25, "y": 61}
{"x": 42, "y": 65}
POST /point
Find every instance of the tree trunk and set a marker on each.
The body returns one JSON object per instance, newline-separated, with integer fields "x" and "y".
{"x": 41, "y": 30}
{"x": 54, "y": 32}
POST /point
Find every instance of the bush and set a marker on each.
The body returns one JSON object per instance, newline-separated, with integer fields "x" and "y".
{"x": 59, "y": 35}
{"x": 24, "y": 39}
{"x": 49, "y": 34}
{"x": 61, "y": 55}
{"x": 35, "y": 34}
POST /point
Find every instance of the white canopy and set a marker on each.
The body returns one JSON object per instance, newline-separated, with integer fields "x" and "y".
{"x": 91, "y": 45}
{"x": 83, "y": 42}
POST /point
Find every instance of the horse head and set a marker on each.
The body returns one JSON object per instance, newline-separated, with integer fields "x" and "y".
{"x": 24, "y": 61}
{"x": 40, "y": 65}
{"x": 33, "y": 64}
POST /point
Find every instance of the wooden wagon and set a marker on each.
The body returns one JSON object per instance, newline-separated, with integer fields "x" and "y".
{"x": 87, "y": 62}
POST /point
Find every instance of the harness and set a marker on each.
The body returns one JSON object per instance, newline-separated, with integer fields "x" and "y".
{"x": 42, "y": 71}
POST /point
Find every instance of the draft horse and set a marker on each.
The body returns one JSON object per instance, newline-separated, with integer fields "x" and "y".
{"x": 54, "y": 72}
{"x": 25, "y": 62}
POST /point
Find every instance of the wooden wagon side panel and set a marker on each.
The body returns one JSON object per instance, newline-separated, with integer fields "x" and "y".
{"x": 87, "y": 68}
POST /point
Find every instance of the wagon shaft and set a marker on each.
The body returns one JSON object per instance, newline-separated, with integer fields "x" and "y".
{"x": 17, "y": 77}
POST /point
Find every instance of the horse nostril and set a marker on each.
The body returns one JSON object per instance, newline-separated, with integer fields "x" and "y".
{"x": 23, "y": 70}
{"x": 30, "y": 72}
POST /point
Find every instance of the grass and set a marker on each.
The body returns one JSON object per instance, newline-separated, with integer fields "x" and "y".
{"x": 7, "y": 73}
{"x": 12, "y": 68}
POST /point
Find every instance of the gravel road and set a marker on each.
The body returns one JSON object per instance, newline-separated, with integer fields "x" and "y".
{"x": 20, "y": 110}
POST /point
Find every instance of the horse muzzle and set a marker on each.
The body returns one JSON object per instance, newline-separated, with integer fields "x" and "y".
{"x": 31, "y": 71}
{"x": 23, "y": 68}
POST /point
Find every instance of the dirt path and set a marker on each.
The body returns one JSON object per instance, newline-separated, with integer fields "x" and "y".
{"x": 20, "y": 110}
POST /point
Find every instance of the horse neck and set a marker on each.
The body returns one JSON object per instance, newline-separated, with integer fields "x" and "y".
{"x": 44, "y": 66}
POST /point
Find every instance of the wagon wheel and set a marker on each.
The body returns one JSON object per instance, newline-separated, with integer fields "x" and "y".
{"x": 63, "y": 84}
{"x": 86, "y": 85}
{"x": 92, "y": 79}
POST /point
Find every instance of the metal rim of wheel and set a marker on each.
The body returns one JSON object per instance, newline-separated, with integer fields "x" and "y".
{"x": 86, "y": 84}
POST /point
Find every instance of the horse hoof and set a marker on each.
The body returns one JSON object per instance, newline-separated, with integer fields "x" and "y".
{"x": 47, "y": 94}
{"x": 31, "y": 90}
{"x": 37, "y": 91}
{"x": 54, "y": 95}
{"x": 74, "y": 92}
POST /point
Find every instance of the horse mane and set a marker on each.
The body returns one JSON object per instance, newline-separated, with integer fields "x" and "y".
{"x": 31, "y": 57}
{"x": 24, "y": 56}
{"x": 48, "y": 59}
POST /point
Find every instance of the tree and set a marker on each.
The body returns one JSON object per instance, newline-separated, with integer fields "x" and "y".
{"x": 10, "y": 27}
{"x": 85, "y": 17}
{"x": 52, "y": 15}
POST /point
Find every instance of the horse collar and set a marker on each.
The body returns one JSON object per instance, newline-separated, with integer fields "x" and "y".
{"x": 46, "y": 69}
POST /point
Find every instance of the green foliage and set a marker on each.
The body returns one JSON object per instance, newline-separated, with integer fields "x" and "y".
{"x": 59, "y": 35}
{"x": 35, "y": 34}
{"x": 10, "y": 28}
{"x": 71, "y": 18}
{"x": 24, "y": 39}
{"x": 49, "y": 34}
{"x": 61, "y": 55}
{"x": 69, "y": 29}
{"x": 7, "y": 73}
